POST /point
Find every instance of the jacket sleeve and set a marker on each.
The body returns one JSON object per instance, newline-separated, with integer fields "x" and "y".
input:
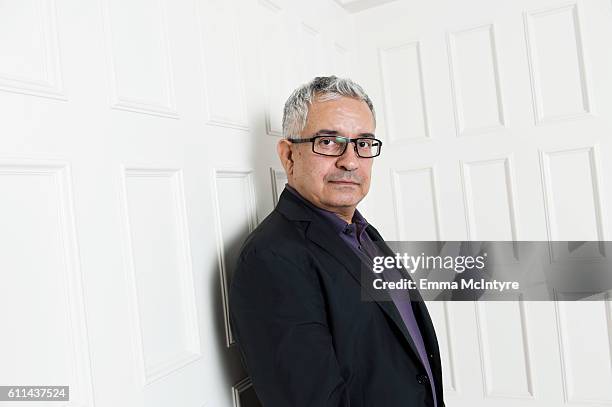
{"x": 279, "y": 322}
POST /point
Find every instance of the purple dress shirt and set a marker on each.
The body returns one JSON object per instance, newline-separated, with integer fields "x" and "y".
{"x": 355, "y": 236}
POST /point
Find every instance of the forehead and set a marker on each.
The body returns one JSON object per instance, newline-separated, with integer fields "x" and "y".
{"x": 344, "y": 114}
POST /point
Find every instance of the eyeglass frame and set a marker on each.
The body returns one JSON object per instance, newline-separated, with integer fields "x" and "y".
{"x": 331, "y": 134}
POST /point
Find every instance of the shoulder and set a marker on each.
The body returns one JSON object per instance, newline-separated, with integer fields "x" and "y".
{"x": 276, "y": 236}
{"x": 275, "y": 258}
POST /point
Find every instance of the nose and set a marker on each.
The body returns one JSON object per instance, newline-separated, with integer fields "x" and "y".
{"x": 349, "y": 160}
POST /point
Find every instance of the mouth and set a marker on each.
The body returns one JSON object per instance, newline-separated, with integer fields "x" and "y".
{"x": 344, "y": 183}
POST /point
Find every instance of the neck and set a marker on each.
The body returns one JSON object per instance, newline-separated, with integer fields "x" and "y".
{"x": 346, "y": 214}
{"x": 348, "y": 218}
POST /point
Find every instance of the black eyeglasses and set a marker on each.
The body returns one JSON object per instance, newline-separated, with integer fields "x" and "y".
{"x": 334, "y": 146}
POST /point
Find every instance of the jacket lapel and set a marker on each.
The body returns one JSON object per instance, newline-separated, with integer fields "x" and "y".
{"x": 316, "y": 232}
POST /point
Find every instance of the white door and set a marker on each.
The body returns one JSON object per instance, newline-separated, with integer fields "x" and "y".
{"x": 137, "y": 149}
{"x": 496, "y": 118}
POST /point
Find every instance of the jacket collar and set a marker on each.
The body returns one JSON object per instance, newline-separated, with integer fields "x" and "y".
{"x": 318, "y": 231}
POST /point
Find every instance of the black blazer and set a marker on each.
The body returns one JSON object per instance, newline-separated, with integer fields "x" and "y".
{"x": 305, "y": 335}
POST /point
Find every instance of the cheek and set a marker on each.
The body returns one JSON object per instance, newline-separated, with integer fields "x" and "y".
{"x": 300, "y": 165}
{"x": 314, "y": 169}
{"x": 367, "y": 175}
{"x": 367, "y": 170}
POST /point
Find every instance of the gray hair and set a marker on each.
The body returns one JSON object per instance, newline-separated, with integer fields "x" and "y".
{"x": 322, "y": 88}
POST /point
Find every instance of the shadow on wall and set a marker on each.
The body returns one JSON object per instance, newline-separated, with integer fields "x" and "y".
{"x": 263, "y": 152}
{"x": 234, "y": 374}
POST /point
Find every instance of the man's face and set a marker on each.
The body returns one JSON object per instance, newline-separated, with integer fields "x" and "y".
{"x": 337, "y": 184}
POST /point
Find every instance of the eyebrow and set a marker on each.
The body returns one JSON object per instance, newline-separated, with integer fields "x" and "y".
{"x": 335, "y": 132}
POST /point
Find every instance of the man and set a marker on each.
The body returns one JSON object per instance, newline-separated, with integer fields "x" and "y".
{"x": 306, "y": 335}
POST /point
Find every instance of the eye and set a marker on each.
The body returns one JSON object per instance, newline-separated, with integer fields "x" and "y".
{"x": 330, "y": 141}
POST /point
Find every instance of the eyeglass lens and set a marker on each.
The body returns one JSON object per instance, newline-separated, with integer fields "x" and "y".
{"x": 335, "y": 146}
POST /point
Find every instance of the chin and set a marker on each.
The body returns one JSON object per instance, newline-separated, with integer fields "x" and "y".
{"x": 345, "y": 200}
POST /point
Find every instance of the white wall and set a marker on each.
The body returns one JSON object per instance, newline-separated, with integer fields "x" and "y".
{"x": 137, "y": 149}
{"x": 136, "y": 146}
{"x": 495, "y": 118}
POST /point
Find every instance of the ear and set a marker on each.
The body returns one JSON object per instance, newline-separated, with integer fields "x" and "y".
{"x": 283, "y": 148}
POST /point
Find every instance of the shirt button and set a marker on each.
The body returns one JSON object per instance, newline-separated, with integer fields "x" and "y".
{"x": 431, "y": 355}
{"x": 422, "y": 379}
